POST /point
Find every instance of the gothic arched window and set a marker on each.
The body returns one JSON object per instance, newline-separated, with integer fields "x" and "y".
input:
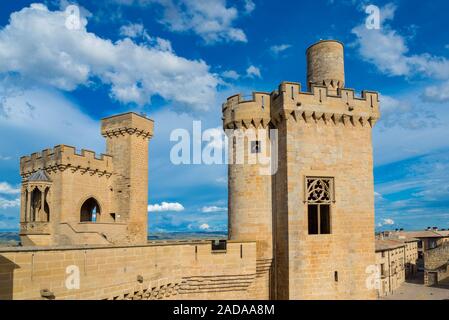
{"x": 319, "y": 197}
{"x": 90, "y": 210}
{"x": 36, "y": 199}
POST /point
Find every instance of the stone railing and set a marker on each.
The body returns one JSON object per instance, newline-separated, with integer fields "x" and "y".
{"x": 34, "y": 228}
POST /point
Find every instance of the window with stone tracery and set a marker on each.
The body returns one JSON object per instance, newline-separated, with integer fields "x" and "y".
{"x": 319, "y": 197}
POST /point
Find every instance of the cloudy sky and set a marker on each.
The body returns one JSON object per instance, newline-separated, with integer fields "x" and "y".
{"x": 178, "y": 60}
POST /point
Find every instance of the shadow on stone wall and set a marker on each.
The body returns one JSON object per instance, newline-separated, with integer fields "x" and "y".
{"x": 6, "y": 278}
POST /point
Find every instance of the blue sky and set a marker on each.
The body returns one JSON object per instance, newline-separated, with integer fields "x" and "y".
{"x": 178, "y": 60}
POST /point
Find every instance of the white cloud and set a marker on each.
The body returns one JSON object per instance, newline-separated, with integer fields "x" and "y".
{"x": 66, "y": 59}
{"x": 386, "y": 222}
{"x": 230, "y": 74}
{"x": 253, "y": 72}
{"x": 212, "y": 20}
{"x": 222, "y": 180}
{"x": 204, "y": 226}
{"x": 250, "y": 6}
{"x": 28, "y": 114}
{"x": 277, "y": 49}
{"x": 5, "y": 203}
{"x": 401, "y": 112}
{"x": 388, "y": 51}
{"x": 165, "y": 206}
{"x": 6, "y": 188}
{"x": 4, "y": 158}
{"x": 132, "y": 30}
{"x": 209, "y": 209}
{"x": 438, "y": 93}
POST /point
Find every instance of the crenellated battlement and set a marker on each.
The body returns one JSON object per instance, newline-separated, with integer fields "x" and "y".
{"x": 64, "y": 157}
{"x": 289, "y": 101}
{"x": 238, "y": 112}
{"x": 128, "y": 123}
{"x": 342, "y": 107}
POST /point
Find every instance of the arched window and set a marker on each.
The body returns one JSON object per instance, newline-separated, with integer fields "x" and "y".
{"x": 46, "y": 217}
{"x": 319, "y": 196}
{"x": 36, "y": 206}
{"x": 90, "y": 210}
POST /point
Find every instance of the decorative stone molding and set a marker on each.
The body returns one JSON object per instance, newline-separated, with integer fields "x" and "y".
{"x": 124, "y": 131}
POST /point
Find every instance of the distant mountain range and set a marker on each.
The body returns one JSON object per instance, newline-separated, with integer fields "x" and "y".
{"x": 188, "y": 235}
{"x": 11, "y": 238}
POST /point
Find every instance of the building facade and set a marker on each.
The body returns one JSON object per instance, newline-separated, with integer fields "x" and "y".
{"x": 313, "y": 216}
{"x": 396, "y": 261}
{"x": 71, "y": 198}
{"x": 301, "y": 205}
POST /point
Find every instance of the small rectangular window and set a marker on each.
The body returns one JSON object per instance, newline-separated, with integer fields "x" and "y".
{"x": 325, "y": 219}
{"x": 313, "y": 218}
{"x": 219, "y": 245}
{"x": 255, "y": 147}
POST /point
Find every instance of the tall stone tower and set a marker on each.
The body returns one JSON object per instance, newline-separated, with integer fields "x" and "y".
{"x": 250, "y": 208}
{"x": 72, "y": 198}
{"x": 127, "y": 138}
{"x": 321, "y": 215}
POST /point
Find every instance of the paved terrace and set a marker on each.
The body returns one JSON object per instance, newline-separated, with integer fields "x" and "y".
{"x": 415, "y": 290}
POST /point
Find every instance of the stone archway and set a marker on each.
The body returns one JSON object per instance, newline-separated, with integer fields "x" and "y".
{"x": 90, "y": 210}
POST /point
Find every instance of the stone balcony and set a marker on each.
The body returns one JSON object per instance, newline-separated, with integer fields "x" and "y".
{"x": 27, "y": 228}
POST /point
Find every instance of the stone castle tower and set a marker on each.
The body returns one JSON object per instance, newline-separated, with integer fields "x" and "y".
{"x": 71, "y": 198}
{"x": 313, "y": 217}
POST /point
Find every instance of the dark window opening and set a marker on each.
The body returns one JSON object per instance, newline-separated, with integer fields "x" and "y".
{"x": 36, "y": 199}
{"x": 319, "y": 194}
{"x": 319, "y": 219}
{"x": 46, "y": 206}
{"x": 90, "y": 210}
{"x": 325, "y": 219}
{"x": 219, "y": 245}
{"x": 336, "y": 276}
{"x": 313, "y": 219}
{"x": 255, "y": 147}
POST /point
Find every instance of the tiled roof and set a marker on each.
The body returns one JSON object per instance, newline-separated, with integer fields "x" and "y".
{"x": 39, "y": 175}
{"x": 444, "y": 233}
{"x": 388, "y": 244}
{"x": 419, "y": 234}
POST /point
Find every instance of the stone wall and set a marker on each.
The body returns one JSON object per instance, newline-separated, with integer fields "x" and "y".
{"x": 436, "y": 263}
{"x": 392, "y": 270}
{"x": 329, "y": 266}
{"x": 185, "y": 270}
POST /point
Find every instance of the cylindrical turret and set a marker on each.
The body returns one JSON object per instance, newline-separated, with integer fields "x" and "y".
{"x": 325, "y": 65}
{"x": 250, "y": 209}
